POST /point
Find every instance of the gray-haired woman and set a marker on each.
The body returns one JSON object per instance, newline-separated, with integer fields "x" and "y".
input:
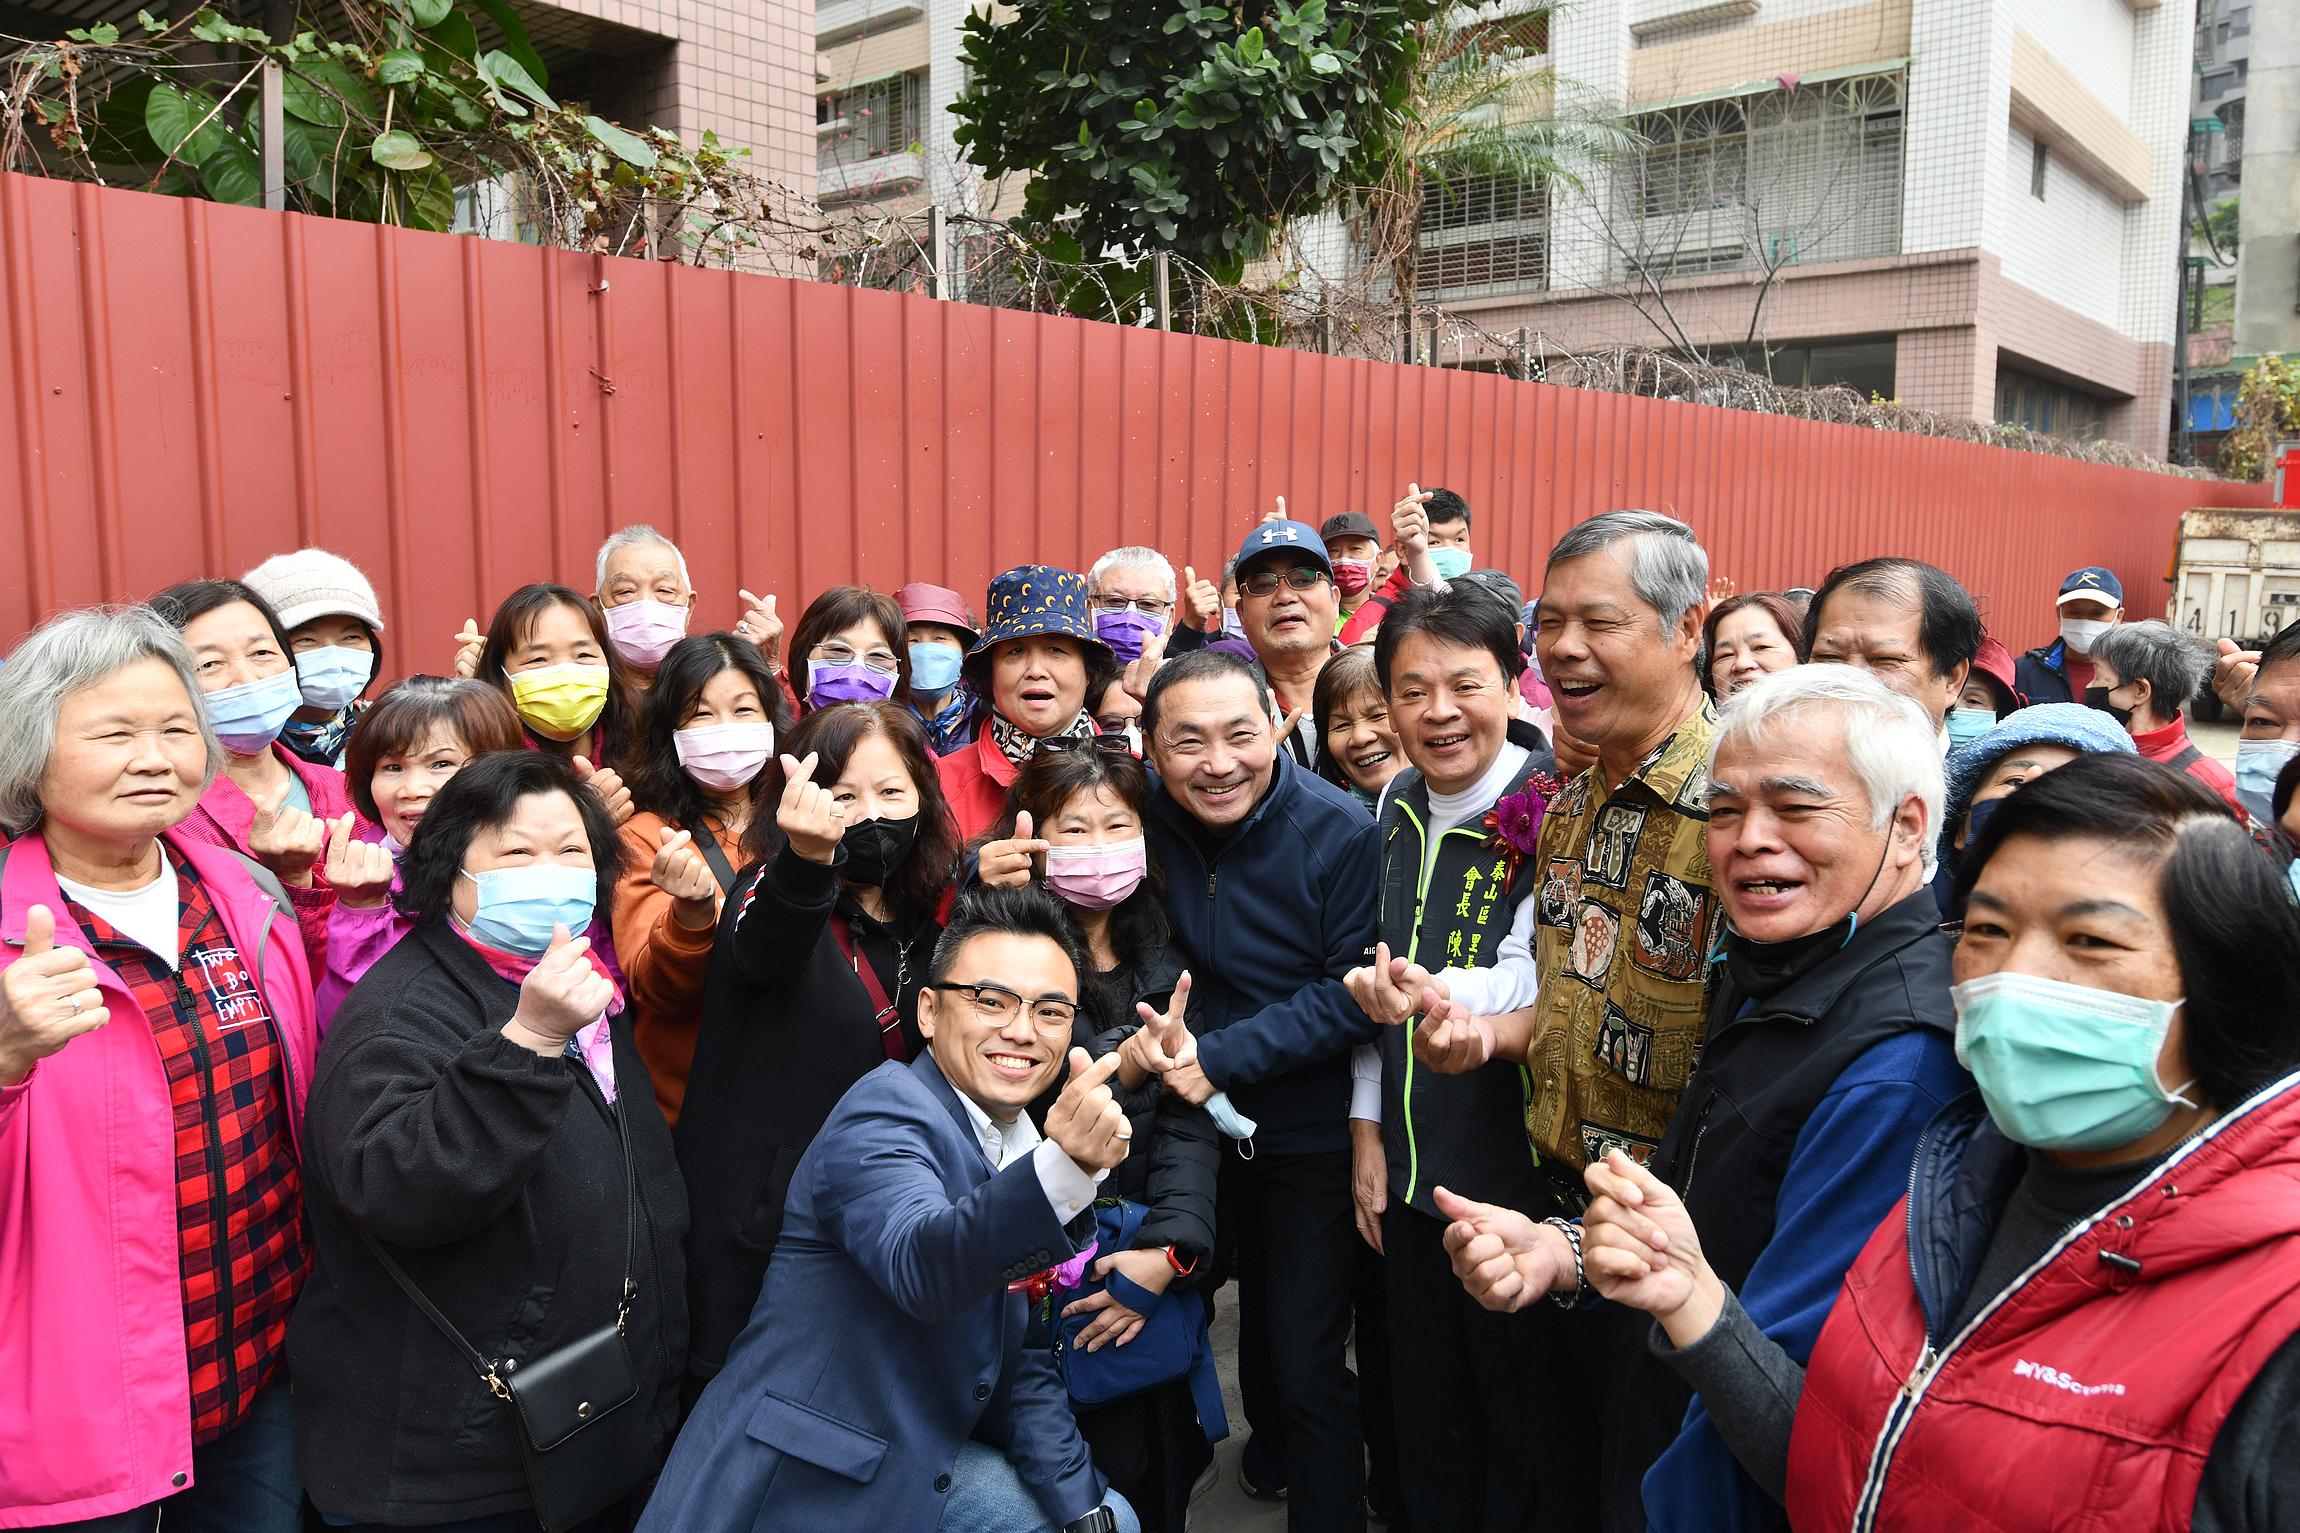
{"x": 155, "y": 1044}
{"x": 2143, "y": 675}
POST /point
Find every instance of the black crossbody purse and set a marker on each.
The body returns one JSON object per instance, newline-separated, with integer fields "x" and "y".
{"x": 576, "y": 1412}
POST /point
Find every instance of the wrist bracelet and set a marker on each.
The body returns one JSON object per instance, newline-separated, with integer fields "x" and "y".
{"x": 1572, "y": 1233}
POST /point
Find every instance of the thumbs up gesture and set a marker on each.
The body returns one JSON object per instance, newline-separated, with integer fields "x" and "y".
{"x": 562, "y": 995}
{"x": 680, "y": 872}
{"x": 1086, "y": 1121}
{"x": 358, "y": 871}
{"x": 1009, "y": 863}
{"x": 286, "y": 840}
{"x": 1410, "y": 522}
{"x": 470, "y": 643}
{"x": 48, "y": 997}
{"x": 1201, "y": 601}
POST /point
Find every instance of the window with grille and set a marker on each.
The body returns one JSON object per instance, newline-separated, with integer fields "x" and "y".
{"x": 1776, "y": 178}
{"x": 1482, "y": 236}
{"x": 879, "y": 118}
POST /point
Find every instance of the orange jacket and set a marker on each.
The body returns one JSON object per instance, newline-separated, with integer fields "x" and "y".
{"x": 664, "y": 963}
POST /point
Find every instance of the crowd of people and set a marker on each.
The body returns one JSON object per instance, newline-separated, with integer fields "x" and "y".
{"x": 1652, "y": 1056}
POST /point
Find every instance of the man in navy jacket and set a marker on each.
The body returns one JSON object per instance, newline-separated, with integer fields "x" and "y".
{"x": 1271, "y": 877}
{"x": 883, "y": 1382}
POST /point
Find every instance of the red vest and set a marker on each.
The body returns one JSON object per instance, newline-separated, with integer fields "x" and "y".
{"x": 2090, "y": 1397}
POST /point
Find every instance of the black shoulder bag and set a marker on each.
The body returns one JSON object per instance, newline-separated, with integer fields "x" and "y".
{"x": 576, "y": 1413}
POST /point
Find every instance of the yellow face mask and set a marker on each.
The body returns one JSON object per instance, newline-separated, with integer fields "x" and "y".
{"x": 560, "y": 701}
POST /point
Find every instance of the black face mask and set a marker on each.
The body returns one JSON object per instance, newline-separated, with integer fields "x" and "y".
{"x": 1765, "y": 968}
{"x": 2097, "y": 697}
{"x": 876, "y": 848}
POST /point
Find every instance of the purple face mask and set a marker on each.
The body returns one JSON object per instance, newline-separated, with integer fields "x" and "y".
{"x": 853, "y": 682}
{"x": 1126, "y": 632}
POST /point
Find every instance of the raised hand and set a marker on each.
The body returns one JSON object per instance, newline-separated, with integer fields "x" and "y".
{"x": 2233, "y": 674}
{"x": 469, "y": 645}
{"x": 1009, "y": 863}
{"x": 608, "y": 784}
{"x": 762, "y": 627}
{"x": 1450, "y": 1040}
{"x": 1086, "y": 1121}
{"x": 1277, "y": 515}
{"x": 1640, "y": 1249}
{"x": 1504, "y": 1259}
{"x": 286, "y": 840}
{"x": 680, "y": 872}
{"x": 561, "y": 995}
{"x": 1175, "y": 1046}
{"x": 1201, "y": 603}
{"x": 359, "y": 872}
{"x": 1721, "y": 589}
{"x": 1114, "y": 1324}
{"x": 1410, "y": 522}
{"x": 1574, "y": 757}
{"x": 1136, "y": 677}
{"x": 48, "y": 997}
{"x": 810, "y": 821}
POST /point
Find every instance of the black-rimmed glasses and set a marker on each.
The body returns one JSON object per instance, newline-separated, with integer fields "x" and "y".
{"x": 998, "y": 1004}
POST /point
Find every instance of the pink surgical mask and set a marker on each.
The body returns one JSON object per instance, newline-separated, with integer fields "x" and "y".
{"x": 724, "y": 757}
{"x": 643, "y": 631}
{"x": 1096, "y": 877}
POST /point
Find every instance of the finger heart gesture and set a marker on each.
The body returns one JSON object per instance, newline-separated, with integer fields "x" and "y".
{"x": 810, "y": 819}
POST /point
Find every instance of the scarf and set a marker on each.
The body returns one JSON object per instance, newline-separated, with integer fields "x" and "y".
{"x": 1017, "y": 744}
{"x": 320, "y": 744}
{"x": 591, "y": 1044}
{"x": 947, "y": 731}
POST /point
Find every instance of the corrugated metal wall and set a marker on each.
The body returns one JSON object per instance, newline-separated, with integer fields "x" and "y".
{"x": 190, "y": 388}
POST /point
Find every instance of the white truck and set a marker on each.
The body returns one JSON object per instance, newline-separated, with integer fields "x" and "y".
{"x": 2236, "y": 576}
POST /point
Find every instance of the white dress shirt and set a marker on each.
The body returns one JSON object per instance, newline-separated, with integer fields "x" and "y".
{"x": 1069, "y": 1191}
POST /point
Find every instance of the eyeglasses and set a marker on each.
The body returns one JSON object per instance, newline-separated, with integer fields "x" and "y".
{"x": 836, "y": 653}
{"x": 1264, "y": 582}
{"x": 997, "y": 1004}
{"x": 1148, "y": 606}
{"x": 1109, "y": 743}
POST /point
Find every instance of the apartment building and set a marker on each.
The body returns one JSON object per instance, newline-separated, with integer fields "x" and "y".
{"x": 1970, "y": 205}
{"x": 886, "y": 74}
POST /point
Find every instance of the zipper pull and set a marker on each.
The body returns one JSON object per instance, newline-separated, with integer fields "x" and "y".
{"x": 1927, "y": 1360}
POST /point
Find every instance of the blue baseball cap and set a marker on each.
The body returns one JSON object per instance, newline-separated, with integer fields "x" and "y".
{"x": 2092, "y": 583}
{"x": 1298, "y": 539}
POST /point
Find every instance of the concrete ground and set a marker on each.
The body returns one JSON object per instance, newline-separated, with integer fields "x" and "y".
{"x": 1223, "y": 1507}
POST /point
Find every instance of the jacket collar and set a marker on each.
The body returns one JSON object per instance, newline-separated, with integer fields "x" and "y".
{"x": 1816, "y": 993}
{"x": 30, "y": 880}
{"x": 925, "y": 1068}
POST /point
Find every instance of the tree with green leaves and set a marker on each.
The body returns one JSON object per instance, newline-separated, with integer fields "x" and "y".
{"x": 1191, "y": 127}
{"x": 388, "y": 108}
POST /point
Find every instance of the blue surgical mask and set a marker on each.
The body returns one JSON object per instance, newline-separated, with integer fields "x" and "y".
{"x": 2259, "y": 764}
{"x": 332, "y": 677}
{"x": 2062, "y": 1066}
{"x": 1970, "y": 724}
{"x": 249, "y": 717}
{"x": 934, "y": 668}
{"x": 1452, "y": 563}
{"x": 519, "y": 906}
{"x": 1227, "y": 1118}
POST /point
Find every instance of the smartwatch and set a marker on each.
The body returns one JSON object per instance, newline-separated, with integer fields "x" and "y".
{"x": 1100, "y": 1520}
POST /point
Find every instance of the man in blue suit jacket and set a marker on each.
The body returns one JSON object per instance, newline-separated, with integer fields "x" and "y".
{"x": 882, "y": 1384}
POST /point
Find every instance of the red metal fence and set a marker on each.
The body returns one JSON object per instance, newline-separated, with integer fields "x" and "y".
{"x": 191, "y": 387}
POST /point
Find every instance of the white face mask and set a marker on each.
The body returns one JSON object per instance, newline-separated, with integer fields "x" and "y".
{"x": 2081, "y": 633}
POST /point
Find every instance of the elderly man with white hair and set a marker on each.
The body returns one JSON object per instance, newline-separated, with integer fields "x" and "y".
{"x": 1830, "y": 1044}
{"x": 644, "y": 593}
{"x": 1133, "y": 591}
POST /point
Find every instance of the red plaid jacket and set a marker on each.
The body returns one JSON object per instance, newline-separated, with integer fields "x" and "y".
{"x": 240, "y": 1230}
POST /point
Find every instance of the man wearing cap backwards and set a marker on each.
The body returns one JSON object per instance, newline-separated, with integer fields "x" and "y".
{"x": 334, "y": 627}
{"x": 1041, "y": 665}
{"x": 2091, "y": 602}
{"x": 1288, "y": 606}
{"x": 941, "y": 631}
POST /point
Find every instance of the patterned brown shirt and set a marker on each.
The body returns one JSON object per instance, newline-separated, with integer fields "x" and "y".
{"x": 1625, "y": 923}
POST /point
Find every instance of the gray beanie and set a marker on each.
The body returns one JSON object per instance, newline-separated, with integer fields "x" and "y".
{"x": 311, "y": 582}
